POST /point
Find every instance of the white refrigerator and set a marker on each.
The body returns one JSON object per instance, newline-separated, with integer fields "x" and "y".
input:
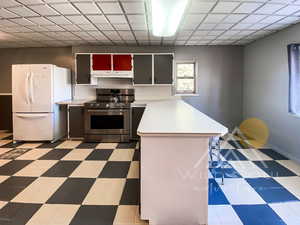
{"x": 36, "y": 88}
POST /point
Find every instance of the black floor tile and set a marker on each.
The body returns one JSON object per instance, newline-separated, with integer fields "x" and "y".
{"x": 100, "y": 154}
{"x": 238, "y": 144}
{"x": 12, "y": 145}
{"x": 131, "y": 192}
{"x": 62, "y": 169}
{"x": 274, "y": 155}
{"x": 136, "y": 156}
{"x": 14, "y": 166}
{"x": 13, "y": 186}
{"x": 17, "y": 213}
{"x": 115, "y": 170}
{"x": 50, "y": 145}
{"x": 274, "y": 169}
{"x": 127, "y": 145}
{"x": 87, "y": 145}
{"x": 55, "y": 154}
{"x": 72, "y": 191}
{"x": 95, "y": 215}
{"x": 233, "y": 155}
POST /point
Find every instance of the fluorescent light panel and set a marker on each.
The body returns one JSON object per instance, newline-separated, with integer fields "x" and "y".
{"x": 166, "y": 16}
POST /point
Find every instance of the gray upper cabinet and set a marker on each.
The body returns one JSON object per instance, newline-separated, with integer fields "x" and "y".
{"x": 142, "y": 69}
{"x": 163, "y": 69}
{"x": 83, "y": 69}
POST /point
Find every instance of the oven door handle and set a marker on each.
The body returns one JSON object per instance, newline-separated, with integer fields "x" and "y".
{"x": 105, "y": 111}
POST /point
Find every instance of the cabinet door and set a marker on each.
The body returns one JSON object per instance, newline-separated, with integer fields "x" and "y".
{"x": 101, "y": 62}
{"x": 142, "y": 69}
{"x": 163, "y": 69}
{"x": 122, "y": 62}
{"x": 76, "y": 121}
{"x": 137, "y": 113}
{"x": 83, "y": 69}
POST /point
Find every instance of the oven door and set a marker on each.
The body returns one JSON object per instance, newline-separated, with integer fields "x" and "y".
{"x": 107, "y": 121}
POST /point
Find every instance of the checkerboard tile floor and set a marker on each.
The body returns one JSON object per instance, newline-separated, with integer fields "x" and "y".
{"x": 71, "y": 182}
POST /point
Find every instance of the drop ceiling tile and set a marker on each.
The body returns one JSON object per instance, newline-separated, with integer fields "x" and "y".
{"x": 71, "y": 27}
{"x": 141, "y": 34}
{"x": 104, "y": 26}
{"x": 116, "y": 19}
{"x": 258, "y": 26}
{"x": 54, "y": 28}
{"x": 37, "y": 28}
{"x": 121, "y": 26}
{"x": 65, "y": 8}
{"x": 55, "y": 1}
{"x": 224, "y": 26}
{"x": 241, "y": 26}
{"x": 110, "y": 7}
{"x": 87, "y": 27}
{"x": 276, "y": 26}
{"x": 15, "y": 29}
{"x": 225, "y": 7}
{"x": 234, "y": 18}
{"x": 22, "y": 11}
{"x": 7, "y": 23}
{"x": 231, "y": 32}
{"x": 60, "y": 20}
{"x": 97, "y": 35}
{"x": 271, "y": 19}
{"x": 216, "y": 32}
{"x": 78, "y": 19}
{"x": 269, "y": 9}
{"x": 289, "y": 20}
{"x": 288, "y": 10}
{"x": 201, "y": 32}
{"x": 40, "y": 21}
{"x": 247, "y": 7}
{"x": 8, "y": 3}
{"x": 134, "y": 7}
{"x": 97, "y": 18}
{"x": 112, "y": 35}
{"x": 43, "y": 10}
{"x": 253, "y": 18}
{"x": 22, "y": 21}
{"x": 83, "y": 35}
{"x": 200, "y": 7}
{"x": 194, "y": 18}
{"x": 141, "y": 19}
{"x": 126, "y": 35}
{"x": 88, "y": 7}
{"x": 138, "y": 26}
{"x": 207, "y": 26}
{"x": 6, "y": 14}
{"x": 31, "y": 2}
{"x": 214, "y": 18}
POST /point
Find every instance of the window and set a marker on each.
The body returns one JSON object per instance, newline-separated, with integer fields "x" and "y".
{"x": 294, "y": 75}
{"x": 185, "y": 78}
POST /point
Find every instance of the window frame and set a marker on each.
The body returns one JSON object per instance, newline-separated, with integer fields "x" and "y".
{"x": 186, "y": 93}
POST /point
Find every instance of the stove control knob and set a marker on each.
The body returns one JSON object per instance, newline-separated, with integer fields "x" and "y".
{"x": 107, "y": 105}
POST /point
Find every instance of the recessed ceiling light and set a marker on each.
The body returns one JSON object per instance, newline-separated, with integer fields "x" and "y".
{"x": 166, "y": 15}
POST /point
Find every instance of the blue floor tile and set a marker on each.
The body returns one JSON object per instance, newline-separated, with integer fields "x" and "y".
{"x": 274, "y": 169}
{"x": 270, "y": 190}
{"x": 215, "y": 194}
{"x": 229, "y": 171}
{"x": 257, "y": 215}
{"x": 233, "y": 155}
{"x": 274, "y": 155}
{"x": 238, "y": 144}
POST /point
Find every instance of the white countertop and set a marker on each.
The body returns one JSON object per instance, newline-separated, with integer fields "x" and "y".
{"x": 74, "y": 102}
{"x": 177, "y": 117}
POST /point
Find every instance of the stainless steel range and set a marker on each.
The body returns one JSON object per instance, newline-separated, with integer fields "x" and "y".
{"x": 108, "y": 118}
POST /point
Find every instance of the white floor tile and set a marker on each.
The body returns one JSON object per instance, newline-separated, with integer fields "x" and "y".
{"x": 248, "y": 169}
{"x": 289, "y": 212}
{"x": 239, "y": 192}
{"x": 222, "y": 215}
{"x": 291, "y": 165}
{"x": 254, "y": 155}
{"x": 292, "y": 184}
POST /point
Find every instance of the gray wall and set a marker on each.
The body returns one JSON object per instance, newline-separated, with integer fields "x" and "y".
{"x": 57, "y": 56}
{"x": 220, "y": 72}
{"x": 266, "y": 82}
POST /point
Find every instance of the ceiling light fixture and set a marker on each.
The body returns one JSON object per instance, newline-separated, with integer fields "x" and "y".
{"x": 166, "y": 16}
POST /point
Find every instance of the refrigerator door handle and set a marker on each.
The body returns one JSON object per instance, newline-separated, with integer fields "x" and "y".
{"x": 27, "y": 89}
{"x": 31, "y": 87}
{"x": 33, "y": 116}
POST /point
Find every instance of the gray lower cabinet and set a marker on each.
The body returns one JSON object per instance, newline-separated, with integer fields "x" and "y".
{"x": 136, "y": 116}
{"x": 163, "y": 69}
{"x": 142, "y": 69}
{"x": 83, "y": 69}
{"x": 76, "y": 121}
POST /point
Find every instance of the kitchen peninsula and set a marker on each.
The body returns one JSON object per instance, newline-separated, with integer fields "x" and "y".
{"x": 174, "y": 162}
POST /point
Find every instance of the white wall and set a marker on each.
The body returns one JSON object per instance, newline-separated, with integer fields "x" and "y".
{"x": 266, "y": 82}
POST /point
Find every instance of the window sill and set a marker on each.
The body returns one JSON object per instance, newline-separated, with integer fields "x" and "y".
{"x": 187, "y": 95}
{"x": 294, "y": 115}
